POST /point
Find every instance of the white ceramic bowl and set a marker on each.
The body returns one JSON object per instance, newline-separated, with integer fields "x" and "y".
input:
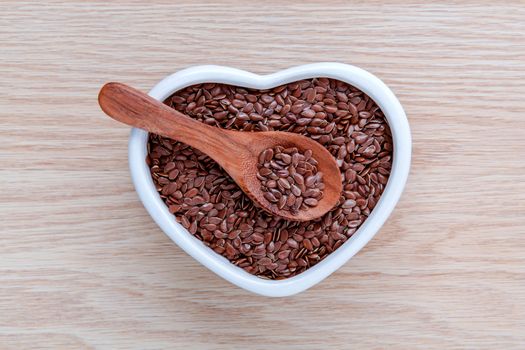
{"x": 357, "y": 77}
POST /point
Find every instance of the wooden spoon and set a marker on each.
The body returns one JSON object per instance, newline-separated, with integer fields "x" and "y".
{"x": 236, "y": 152}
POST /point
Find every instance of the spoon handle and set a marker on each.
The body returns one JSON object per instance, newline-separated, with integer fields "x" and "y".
{"x": 133, "y": 107}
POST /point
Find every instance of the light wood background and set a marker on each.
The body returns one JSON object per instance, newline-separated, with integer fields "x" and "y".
{"x": 83, "y": 266}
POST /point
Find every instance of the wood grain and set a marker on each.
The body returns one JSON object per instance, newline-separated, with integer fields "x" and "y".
{"x": 82, "y": 266}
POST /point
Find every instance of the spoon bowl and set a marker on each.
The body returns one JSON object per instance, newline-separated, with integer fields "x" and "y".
{"x": 236, "y": 152}
{"x": 246, "y": 169}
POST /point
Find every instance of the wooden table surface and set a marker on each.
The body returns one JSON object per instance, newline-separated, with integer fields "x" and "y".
{"x": 83, "y": 266}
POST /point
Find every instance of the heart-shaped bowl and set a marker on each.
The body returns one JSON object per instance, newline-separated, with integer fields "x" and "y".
{"x": 359, "y": 78}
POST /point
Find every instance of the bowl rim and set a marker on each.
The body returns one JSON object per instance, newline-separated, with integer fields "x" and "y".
{"x": 361, "y": 79}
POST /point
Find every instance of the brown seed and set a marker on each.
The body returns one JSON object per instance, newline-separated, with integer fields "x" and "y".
{"x": 298, "y": 178}
{"x": 267, "y": 99}
{"x": 330, "y": 109}
{"x": 282, "y": 173}
{"x": 192, "y": 192}
{"x": 341, "y": 96}
{"x": 291, "y": 200}
{"x": 283, "y": 254}
{"x": 271, "y": 183}
{"x": 308, "y": 113}
{"x": 174, "y": 208}
{"x": 282, "y": 201}
{"x": 284, "y": 183}
{"x": 311, "y": 202}
{"x": 169, "y": 167}
{"x": 313, "y": 192}
{"x": 308, "y": 244}
{"x": 310, "y": 181}
{"x": 265, "y": 171}
{"x": 296, "y": 191}
{"x": 270, "y": 197}
{"x": 170, "y": 188}
{"x": 349, "y": 203}
{"x": 173, "y": 174}
{"x": 292, "y": 243}
{"x": 286, "y": 158}
{"x": 310, "y": 95}
{"x": 303, "y": 121}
